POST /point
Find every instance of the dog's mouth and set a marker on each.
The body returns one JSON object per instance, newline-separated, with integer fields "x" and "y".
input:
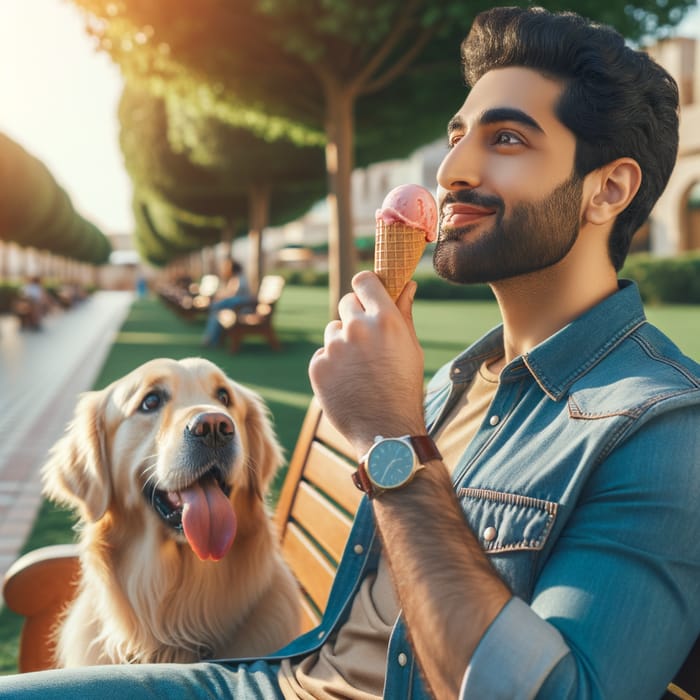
{"x": 202, "y": 512}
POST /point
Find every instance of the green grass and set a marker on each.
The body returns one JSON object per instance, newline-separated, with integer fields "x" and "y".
{"x": 151, "y": 330}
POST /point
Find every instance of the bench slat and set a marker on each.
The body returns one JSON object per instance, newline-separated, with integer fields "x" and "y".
{"x": 311, "y": 568}
{"x": 296, "y": 466}
{"x": 326, "y": 432}
{"x": 322, "y": 520}
{"x": 309, "y": 617}
{"x": 333, "y": 475}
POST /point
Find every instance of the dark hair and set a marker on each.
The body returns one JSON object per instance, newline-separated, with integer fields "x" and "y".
{"x": 617, "y": 101}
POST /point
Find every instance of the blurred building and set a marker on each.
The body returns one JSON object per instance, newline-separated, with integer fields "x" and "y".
{"x": 675, "y": 222}
{"x": 125, "y": 268}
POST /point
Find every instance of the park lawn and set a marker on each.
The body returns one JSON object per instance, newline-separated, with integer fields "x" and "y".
{"x": 151, "y": 330}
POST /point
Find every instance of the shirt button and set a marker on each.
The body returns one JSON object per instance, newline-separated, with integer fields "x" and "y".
{"x": 402, "y": 659}
{"x": 358, "y": 549}
{"x": 490, "y": 533}
{"x": 494, "y": 420}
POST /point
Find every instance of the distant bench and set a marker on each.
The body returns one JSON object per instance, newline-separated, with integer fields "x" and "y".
{"x": 252, "y": 316}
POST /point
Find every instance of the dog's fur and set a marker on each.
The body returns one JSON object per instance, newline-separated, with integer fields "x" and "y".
{"x": 144, "y": 595}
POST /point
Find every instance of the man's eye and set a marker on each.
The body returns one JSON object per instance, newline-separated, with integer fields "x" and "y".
{"x": 151, "y": 402}
{"x": 453, "y": 140}
{"x": 224, "y": 397}
{"x": 507, "y": 138}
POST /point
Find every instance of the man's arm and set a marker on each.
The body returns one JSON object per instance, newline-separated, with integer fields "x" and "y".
{"x": 369, "y": 378}
{"x": 447, "y": 588}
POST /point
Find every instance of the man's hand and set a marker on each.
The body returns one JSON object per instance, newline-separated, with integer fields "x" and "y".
{"x": 368, "y": 375}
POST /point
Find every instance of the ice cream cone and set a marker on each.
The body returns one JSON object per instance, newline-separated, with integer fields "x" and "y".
{"x": 398, "y": 248}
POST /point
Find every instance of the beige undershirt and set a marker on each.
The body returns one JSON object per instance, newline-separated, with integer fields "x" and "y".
{"x": 352, "y": 664}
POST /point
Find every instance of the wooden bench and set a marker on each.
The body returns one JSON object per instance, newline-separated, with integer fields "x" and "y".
{"x": 29, "y": 312}
{"x": 191, "y": 302}
{"x": 254, "y": 316}
{"x": 314, "y": 514}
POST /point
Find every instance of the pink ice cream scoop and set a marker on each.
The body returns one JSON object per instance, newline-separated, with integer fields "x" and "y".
{"x": 413, "y": 206}
{"x": 406, "y": 221}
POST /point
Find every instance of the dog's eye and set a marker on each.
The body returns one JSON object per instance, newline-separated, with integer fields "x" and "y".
{"x": 223, "y": 396}
{"x": 151, "y": 402}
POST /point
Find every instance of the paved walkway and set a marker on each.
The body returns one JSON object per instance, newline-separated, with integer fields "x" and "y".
{"x": 41, "y": 375}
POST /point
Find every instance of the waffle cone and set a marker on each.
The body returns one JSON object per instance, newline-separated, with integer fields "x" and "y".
{"x": 397, "y": 250}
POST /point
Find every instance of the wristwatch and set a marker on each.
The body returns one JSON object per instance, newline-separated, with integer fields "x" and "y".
{"x": 393, "y": 462}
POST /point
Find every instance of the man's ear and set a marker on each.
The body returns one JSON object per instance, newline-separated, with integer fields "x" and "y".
{"x": 613, "y": 187}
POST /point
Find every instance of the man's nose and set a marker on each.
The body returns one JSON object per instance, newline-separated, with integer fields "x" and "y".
{"x": 460, "y": 168}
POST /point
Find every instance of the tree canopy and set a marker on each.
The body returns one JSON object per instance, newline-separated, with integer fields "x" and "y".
{"x": 319, "y": 72}
{"x": 35, "y": 211}
{"x": 197, "y": 179}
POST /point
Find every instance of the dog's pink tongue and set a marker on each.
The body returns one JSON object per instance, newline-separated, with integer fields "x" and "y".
{"x": 208, "y": 520}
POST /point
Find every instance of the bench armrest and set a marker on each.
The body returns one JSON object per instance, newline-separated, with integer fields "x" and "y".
{"x": 38, "y": 586}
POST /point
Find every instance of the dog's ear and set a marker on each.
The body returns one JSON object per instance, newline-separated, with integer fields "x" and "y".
{"x": 264, "y": 451}
{"x": 77, "y": 471}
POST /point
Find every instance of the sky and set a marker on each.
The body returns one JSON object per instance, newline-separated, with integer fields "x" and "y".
{"x": 58, "y": 100}
{"x": 59, "y": 97}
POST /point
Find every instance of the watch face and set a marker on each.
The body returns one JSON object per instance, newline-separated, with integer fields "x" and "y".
{"x": 390, "y": 464}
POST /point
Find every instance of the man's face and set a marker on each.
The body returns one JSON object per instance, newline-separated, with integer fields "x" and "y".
{"x": 509, "y": 200}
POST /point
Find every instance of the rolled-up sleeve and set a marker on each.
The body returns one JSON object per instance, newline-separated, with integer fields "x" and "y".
{"x": 532, "y": 647}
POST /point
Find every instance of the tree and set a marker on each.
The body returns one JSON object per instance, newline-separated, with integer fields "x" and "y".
{"x": 36, "y": 212}
{"x": 303, "y": 69}
{"x": 194, "y": 174}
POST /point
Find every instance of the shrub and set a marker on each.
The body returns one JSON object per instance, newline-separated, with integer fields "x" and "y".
{"x": 9, "y": 291}
{"x": 673, "y": 280}
{"x": 429, "y": 285}
{"x": 661, "y": 280}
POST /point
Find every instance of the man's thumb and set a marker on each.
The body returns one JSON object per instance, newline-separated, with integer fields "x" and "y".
{"x": 405, "y": 301}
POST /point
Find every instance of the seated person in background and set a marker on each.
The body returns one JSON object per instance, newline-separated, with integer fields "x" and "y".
{"x": 33, "y": 302}
{"x": 230, "y": 294}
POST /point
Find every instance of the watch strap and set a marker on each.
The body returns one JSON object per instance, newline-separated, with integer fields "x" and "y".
{"x": 361, "y": 480}
{"x": 425, "y": 448}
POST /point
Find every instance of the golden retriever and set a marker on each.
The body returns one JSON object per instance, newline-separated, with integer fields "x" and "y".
{"x": 168, "y": 468}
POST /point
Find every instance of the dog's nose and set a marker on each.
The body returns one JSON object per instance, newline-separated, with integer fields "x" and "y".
{"x": 213, "y": 429}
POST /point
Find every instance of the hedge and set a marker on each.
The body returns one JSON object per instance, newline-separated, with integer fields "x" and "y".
{"x": 9, "y": 291}
{"x": 673, "y": 280}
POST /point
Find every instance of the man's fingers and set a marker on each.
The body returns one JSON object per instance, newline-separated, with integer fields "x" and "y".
{"x": 332, "y": 329}
{"x": 370, "y": 291}
{"x": 349, "y": 305}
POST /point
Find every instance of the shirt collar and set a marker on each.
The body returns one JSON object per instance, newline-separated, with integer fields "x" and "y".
{"x": 564, "y": 357}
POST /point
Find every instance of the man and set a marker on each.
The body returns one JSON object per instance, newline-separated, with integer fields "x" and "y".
{"x": 548, "y": 546}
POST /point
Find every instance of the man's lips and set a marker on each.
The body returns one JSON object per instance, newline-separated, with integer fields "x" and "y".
{"x": 457, "y": 215}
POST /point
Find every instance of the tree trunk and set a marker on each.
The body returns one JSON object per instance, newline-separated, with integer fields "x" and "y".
{"x": 340, "y": 103}
{"x": 259, "y": 212}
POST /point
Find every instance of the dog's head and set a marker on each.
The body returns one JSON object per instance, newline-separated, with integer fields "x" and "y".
{"x": 176, "y": 438}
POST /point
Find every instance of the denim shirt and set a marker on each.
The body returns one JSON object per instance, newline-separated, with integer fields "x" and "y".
{"x": 582, "y": 485}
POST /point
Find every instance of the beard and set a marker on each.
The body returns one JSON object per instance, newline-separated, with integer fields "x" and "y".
{"x": 534, "y": 236}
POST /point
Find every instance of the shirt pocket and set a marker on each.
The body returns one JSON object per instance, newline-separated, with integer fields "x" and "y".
{"x": 512, "y": 529}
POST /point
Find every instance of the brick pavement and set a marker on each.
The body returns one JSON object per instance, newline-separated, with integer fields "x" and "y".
{"x": 41, "y": 375}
